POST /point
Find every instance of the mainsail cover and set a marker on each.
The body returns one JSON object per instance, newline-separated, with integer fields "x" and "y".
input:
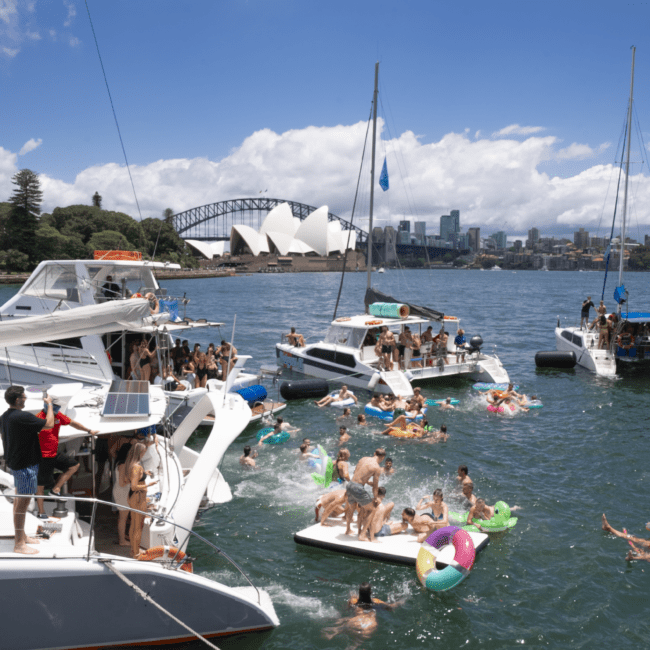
{"x": 81, "y": 321}
{"x": 373, "y": 295}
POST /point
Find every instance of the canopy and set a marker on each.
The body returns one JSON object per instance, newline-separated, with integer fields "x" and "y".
{"x": 373, "y": 295}
{"x": 81, "y": 321}
{"x": 636, "y": 317}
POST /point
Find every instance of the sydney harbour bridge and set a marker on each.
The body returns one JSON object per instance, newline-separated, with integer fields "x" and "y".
{"x": 213, "y": 222}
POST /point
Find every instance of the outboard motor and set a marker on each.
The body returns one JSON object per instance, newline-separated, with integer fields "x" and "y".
{"x": 475, "y": 344}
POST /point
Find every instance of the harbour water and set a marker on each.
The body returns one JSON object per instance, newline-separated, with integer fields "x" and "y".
{"x": 556, "y": 580}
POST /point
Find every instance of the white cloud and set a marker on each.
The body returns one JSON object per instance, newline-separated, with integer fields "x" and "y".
{"x": 74, "y": 41}
{"x": 496, "y": 184}
{"x": 72, "y": 12}
{"x": 30, "y": 145}
{"x": 8, "y": 11}
{"x": 33, "y": 36}
{"x": 10, "y": 52}
{"x": 515, "y": 129}
{"x": 52, "y": 33}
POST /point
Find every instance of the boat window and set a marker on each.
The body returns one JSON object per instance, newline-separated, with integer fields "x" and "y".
{"x": 55, "y": 281}
{"x": 340, "y": 358}
{"x": 577, "y": 340}
{"x": 138, "y": 279}
{"x": 567, "y": 335}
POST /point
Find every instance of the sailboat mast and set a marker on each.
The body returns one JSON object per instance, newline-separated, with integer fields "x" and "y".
{"x": 627, "y": 176}
{"x": 372, "y": 171}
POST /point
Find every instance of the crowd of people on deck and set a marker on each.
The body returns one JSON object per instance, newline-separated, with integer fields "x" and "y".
{"x": 188, "y": 368}
{"x": 630, "y": 335}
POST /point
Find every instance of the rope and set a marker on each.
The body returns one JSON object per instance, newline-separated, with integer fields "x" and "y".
{"x": 109, "y": 565}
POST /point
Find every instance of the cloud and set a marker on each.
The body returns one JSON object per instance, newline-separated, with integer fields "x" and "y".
{"x": 72, "y": 12}
{"x": 8, "y": 11}
{"x": 10, "y": 52}
{"x": 33, "y": 36}
{"x": 496, "y": 184}
{"x": 74, "y": 41}
{"x": 30, "y": 145}
{"x": 515, "y": 129}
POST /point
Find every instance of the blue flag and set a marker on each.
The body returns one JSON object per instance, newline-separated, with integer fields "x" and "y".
{"x": 383, "y": 177}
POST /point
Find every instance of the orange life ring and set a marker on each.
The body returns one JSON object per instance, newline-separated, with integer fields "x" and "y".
{"x": 374, "y": 322}
{"x": 136, "y": 295}
{"x": 167, "y": 553}
{"x": 342, "y": 319}
{"x": 450, "y": 317}
{"x": 499, "y": 394}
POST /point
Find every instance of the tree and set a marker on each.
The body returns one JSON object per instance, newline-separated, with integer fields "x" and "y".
{"x": 97, "y": 200}
{"x": 168, "y": 213}
{"x": 109, "y": 240}
{"x": 14, "y": 260}
{"x": 20, "y": 228}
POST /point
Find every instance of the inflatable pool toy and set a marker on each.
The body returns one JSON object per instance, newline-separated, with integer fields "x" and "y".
{"x": 388, "y": 416}
{"x": 498, "y": 523}
{"x": 493, "y": 408}
{"x": 482, "y": 386}
{"x": 534, "y": 404}
{"x": 323, "y": 477}
{"x": 445, "y": 558}
{"x": 411, "y": 431}
{"x": 277, "y": 439}
{"x": 438, "y": 402}
{"x": 342, "y": 403}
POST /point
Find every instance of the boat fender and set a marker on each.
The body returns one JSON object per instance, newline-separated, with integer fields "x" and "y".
{"x": 166, "y": 553}
{"x": 374, "y": 380}
{"x": 409, "y": 375}
{"x": 304, "y": 389}
{"x": 453, "y": 571}
{"x": 554, "y": 359}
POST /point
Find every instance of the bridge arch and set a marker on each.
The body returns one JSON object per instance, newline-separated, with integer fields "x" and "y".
{"x": 213, "y": 222}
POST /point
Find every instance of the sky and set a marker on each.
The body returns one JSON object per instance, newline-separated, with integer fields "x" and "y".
{"x": 510, "y": 111}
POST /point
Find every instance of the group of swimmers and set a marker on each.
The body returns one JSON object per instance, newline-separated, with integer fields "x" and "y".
{"x": 509, "y": 399}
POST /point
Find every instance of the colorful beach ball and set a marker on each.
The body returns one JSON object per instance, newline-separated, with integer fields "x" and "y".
{"x": 445, "y": 558}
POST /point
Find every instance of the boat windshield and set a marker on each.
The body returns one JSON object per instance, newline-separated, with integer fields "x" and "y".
{"x": 139, "y": 279}
{"x": 54, "y": 281}
{"x": 351, "y": 337}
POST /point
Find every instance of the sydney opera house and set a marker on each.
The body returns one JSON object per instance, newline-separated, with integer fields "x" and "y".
{"x": 283, "y": 234}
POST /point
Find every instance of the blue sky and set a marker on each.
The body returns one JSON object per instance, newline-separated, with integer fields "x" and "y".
{"x": 508, "y": 111}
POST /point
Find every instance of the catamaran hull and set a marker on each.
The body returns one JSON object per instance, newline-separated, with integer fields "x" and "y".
{"x": 487, "y": 369}
{"x": 579, "y": 341}
{"x": 70, "y": 603}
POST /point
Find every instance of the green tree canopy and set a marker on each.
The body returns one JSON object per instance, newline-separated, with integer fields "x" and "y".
{"x": 20, "y": 226}
{"x": 109, "y": 240}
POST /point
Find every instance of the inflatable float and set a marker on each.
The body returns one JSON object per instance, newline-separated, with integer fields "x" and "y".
{"x": 398, "y": 549}
{"x": 342, "y": 403}
{"x": 325, "y": 466}
{"x": 500, "y": 522}
{"x": 277, "y": 439}
{"x": 483, "y": 386}
{"x": 502, "y": 408}
{"x": 389, "y": 416}
{"x": 438, "y": 402}
{"x": 445, "y": 558}
{"x": 411, "y": 431}
{"x": 534, "y": 404}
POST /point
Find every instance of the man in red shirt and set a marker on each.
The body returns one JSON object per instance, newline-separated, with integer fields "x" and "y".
{"x": 49, "y": 441}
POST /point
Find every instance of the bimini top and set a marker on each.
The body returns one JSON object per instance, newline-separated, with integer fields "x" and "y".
{"x": 364, "y": 321}
{"x": 636, "y": 317}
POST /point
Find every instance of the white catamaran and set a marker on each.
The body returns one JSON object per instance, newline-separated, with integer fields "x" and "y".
{"x": 625, "y": 335}
{"x": 348, "y": 354}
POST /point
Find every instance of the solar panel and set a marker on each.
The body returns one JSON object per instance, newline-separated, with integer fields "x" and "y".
{"x": 127, "y": 399}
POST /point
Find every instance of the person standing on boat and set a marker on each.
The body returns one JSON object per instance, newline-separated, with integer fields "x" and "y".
{"x": 23, "y": 455}
{"x": 111, "y": 290}
{"x": 387, "y": 342}
{"x": 460, "y": 342}
{"x": 52, "y": 459}
{"x": 584, "y": 313}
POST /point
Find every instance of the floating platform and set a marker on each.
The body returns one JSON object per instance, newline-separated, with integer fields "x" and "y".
{"x": 398, "y": 549}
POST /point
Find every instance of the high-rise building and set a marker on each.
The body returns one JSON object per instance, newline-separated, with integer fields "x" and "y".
{"x": 403, "y": 237}
{"x": 474, "y": 237}
{"x": 533, "y": 237}
{"x": 449, "y": 223}
{"x": 404, "y": 226}
{"x": 390, "y": 238}
{"x": 581, "y": 239}
{"x": 462, "y": 241}
{"x": 420, "y": 232}
{"x": 500, "y": 239}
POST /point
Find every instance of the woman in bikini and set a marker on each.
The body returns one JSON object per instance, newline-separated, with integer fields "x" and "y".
{"x": 137, "y": 494}
{"x": 439, "y": 511}
{"x": 341, "y": 466}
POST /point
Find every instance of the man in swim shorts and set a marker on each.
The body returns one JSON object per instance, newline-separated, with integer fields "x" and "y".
{"x": 584, "y": 312}
{"x": 378, "y": 524}
{"x": 325, "y": 501}
{"x": 468, "y": 493}
{"x": 387, "y": 342}
{"x": 388, "y": 467}
{"x": 343, "y": 435}
{"x": 463, "y": 475}
{"x": 447, "y": 405}
{"x": 366, "y": 472}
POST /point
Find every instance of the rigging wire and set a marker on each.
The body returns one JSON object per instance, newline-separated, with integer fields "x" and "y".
{"x": 119, "y": 133}
{"x": 347, "y": 247}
